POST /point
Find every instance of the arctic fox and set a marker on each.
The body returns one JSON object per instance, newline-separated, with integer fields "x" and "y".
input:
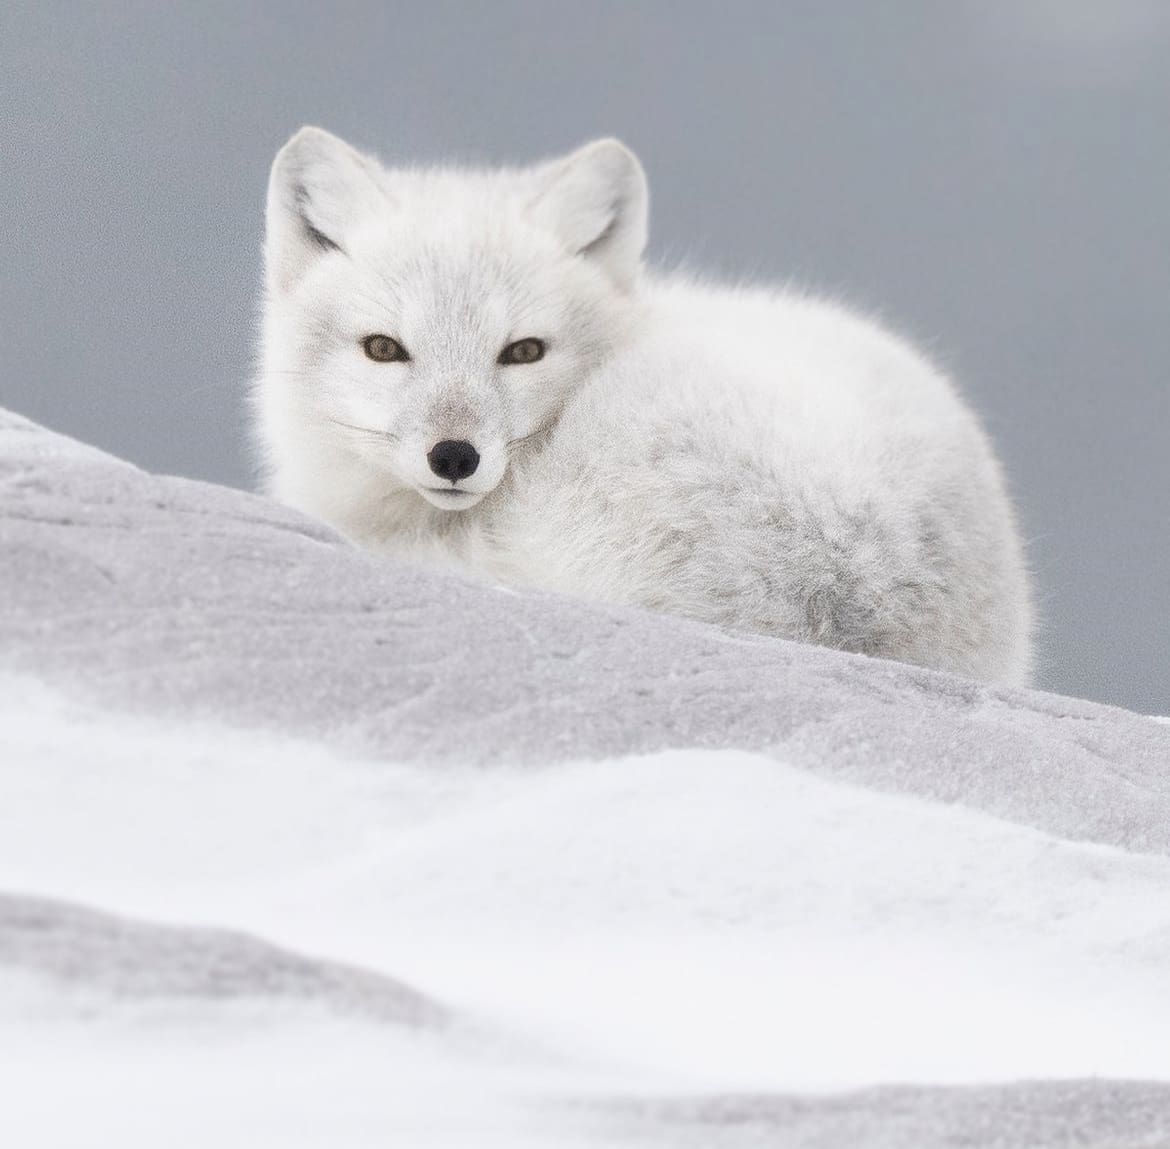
{"x": 473, "y": 367}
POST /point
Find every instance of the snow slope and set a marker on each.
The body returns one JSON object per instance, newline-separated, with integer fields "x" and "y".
{"x": 303, "y": 849}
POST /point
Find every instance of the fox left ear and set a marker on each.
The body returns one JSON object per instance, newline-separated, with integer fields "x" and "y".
{"x": 596, "y": 201}
{"x": 319, "y": 190}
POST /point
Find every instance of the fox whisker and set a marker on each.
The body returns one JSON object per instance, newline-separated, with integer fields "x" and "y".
{"x": 373, "y": 432}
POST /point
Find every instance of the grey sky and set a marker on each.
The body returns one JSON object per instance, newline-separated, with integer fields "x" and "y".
{"x": 992, "y": 177}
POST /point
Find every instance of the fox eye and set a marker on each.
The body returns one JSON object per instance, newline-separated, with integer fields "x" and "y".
{"x": 522, "y": 351}
{"x": 383, "y": 349}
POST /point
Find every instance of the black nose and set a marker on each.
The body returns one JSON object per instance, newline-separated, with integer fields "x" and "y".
{"x": 453, "y": 459}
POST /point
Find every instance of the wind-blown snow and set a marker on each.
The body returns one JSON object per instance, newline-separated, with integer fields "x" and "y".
{"x": 255, "y": 895}
{"x": 600, "y": 895}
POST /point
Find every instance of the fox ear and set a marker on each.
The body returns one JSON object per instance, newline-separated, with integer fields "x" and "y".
{"x": 595, "y": 200}
{"x": 318, "y": 189}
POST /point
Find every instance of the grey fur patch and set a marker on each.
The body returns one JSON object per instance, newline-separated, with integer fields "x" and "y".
{"x": 314, "y": 233}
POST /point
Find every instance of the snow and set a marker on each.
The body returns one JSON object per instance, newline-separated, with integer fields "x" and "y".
{"x": 277, "y": 868}
{"x": 821, "y": 937}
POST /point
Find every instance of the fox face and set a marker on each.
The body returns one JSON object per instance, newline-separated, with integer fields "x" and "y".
{"x": 430, "y": 322}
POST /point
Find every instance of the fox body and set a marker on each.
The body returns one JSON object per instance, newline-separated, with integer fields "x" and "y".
{"x": 473, "y": 368}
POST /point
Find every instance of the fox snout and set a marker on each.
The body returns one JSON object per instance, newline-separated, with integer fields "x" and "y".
{"x": 457, "y": 473}
{"x": 453, "y": 459}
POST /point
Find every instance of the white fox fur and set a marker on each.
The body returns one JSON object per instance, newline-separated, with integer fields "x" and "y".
{"x": 748, "y": 457}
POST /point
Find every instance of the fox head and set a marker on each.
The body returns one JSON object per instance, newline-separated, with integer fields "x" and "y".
{"x": 428, "y": 321}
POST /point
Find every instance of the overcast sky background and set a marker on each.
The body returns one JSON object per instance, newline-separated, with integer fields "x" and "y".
{"x": 992, "y": 177}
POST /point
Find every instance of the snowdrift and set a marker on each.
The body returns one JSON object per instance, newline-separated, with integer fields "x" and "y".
{"x": 299, "y": 847}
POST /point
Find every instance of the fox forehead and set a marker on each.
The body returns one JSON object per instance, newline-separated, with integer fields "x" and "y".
{"x": 458, "y": 253}
{"x": 472, "y": 286}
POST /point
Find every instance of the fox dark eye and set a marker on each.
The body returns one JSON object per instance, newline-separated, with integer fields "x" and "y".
{"x": 383, "y": 349}
{"x": 522, "y": 351}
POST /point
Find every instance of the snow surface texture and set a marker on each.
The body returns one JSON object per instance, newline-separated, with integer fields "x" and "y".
{"x": 302, "y": 848}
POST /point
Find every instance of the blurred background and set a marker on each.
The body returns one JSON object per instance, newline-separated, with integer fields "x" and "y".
{"x": 992, "y": 177}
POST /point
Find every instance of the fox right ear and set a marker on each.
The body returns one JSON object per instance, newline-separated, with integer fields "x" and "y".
{"x": 595, "y": 201}
{"x": 318, "y": 189}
